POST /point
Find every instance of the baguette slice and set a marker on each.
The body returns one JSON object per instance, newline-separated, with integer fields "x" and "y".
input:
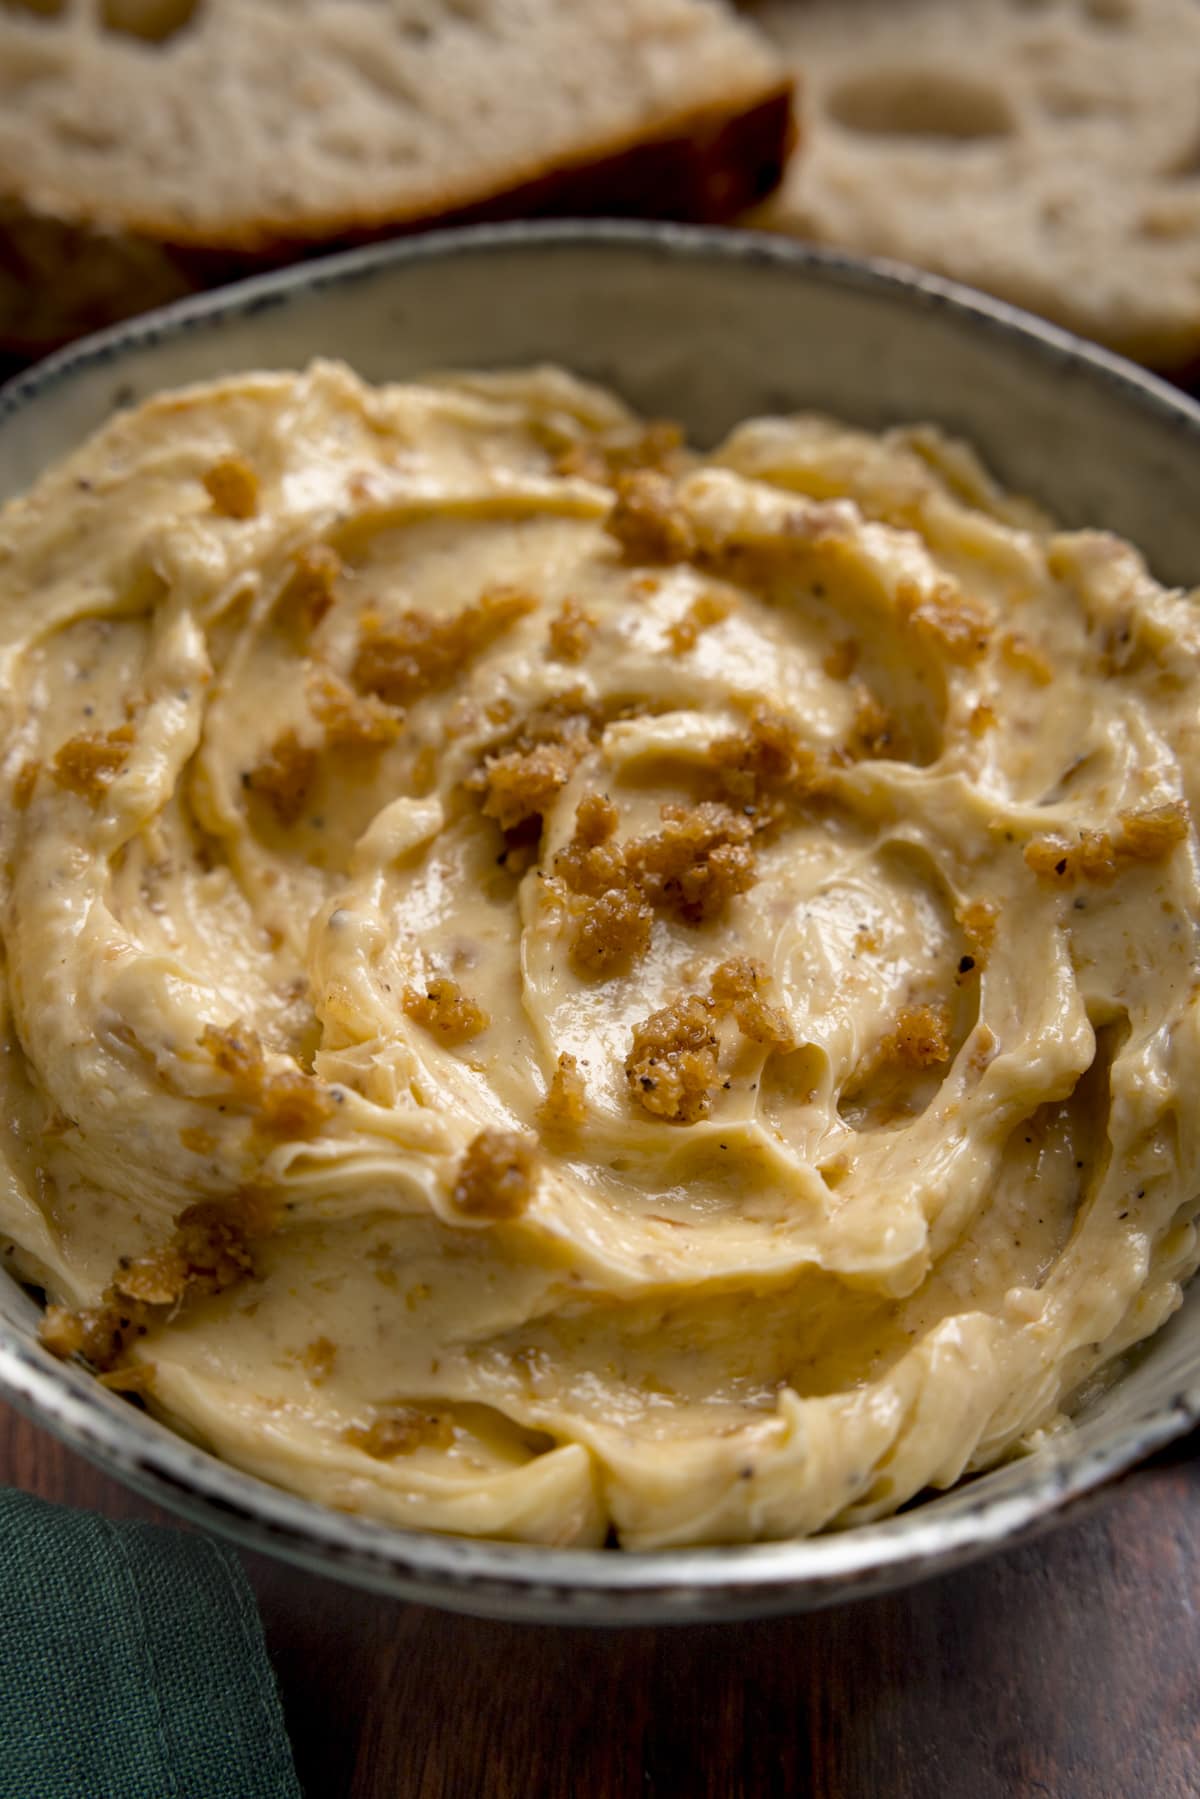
{"x": 1047, "y": 151}
{"x": 150, "y": 147}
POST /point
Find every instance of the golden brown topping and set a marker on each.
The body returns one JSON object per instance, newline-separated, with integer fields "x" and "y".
{"x": 695, "y": 865}
{"x": 707, "y": 609}
{"x": 671, "y": 1067}
{"x": 232, "y": 487}
{"x": 92, "y": 1332}
{"x": 285, "y": 776}
{"x": 1100, "y": 856}
{"x": 841, "y": 661}
{"x": 445, "y": 1011}
{"x": 571, "y": 632}
{"x": 611, "y": 931}
{"x": 919, "y": 1039}
{"x": 982, "y": 719}
{"x": 955, "y": 620}
{"x": 318, "y": 1357}
{"x": 355, "y": 721}
{"x": 564, "y": 1108}
{"x": 400, "y": 1433}
{"x": 1150, "y": 835}
{"x": 648, "y": 521}
{"x": 768, "y": 759}
{"x": 496, "y": 1176}
{"x": 873, "y": 725}
{"x": 89, "y": 763}
{"x": 286, "y": 1104}
{"x": 24, "y": 784}
{"x": 1019, "y": 653}
{"x": 978, "y": 921}
{"x": 307, "y": 593}
{"x": 736, "y": 987}
{"x": 521, "y": 783}
{"x": 209, "y": 1250}
{"x": 656, "y": 445}
{"x": 418, "y": 652}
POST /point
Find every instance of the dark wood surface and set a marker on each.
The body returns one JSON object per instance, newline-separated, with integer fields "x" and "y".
{"x": 1069, "y": 1669}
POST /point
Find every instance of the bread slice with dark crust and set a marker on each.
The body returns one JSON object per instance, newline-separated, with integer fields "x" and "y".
{"x": 237, "y": 134}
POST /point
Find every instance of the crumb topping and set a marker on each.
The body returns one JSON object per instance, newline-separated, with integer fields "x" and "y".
{"x": 671, "y": 1067}
{"x": 283, "y": 1104}
{"x": 707, "y": 609}
{"x": 571, "y": 632}
{"x": 445, "y": 1011}
{"x": 308, "y": 592}
{"x": 285, "y": 776}
{"x": 401, "y": 1432}
{"x": 90, "y": 763}
{"x": 564, "y": 1108}
{"x": 647, "y": 521}
{"x": 232, "y": 486}
{"x": 496, "y": 1176}
{"x": 402, "y": 659}
{"x": 1100, "y": 856}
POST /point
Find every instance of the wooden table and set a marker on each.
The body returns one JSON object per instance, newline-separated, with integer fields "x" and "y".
{"x": 1066, "y": 1670}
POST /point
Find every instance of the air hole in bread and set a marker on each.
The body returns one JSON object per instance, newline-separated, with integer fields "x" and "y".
{"x": 920, "y": 103}
{"x": 153, "y": 20}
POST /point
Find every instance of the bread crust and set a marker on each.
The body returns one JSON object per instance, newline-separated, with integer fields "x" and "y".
{"x": 67, "y": 272}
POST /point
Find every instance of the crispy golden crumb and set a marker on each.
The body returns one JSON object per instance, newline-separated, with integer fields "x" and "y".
{"x": 707, "y": 609}
{"x": 350, "y": 720}
{"x": 647, "y": 520}
{"x": 520, "y": 784}
{"x": 209, "y": 1250}
{"x": 1099, "y": 856}
{"x": 401, "y": 659}
{"x": 232, "y": 486}
{"x": 571, "y": 631}
{"x": 318, "y": 1358}
{"x": 735, "y": 986}
{"x": 655, "y": 445}
{"x": 496, "y": 1176}
{"x": 307, "y": 593}
{"x": 671, "y": 1067}
{"x": 611, "y": 931}
{"x": 982, "y": 719}
{"x": 400, "y": 1433}
{"x": 284, "y": 778}
{"x": 767, "y": 760}
{"x": 24, "y": 784}
{"x": 920, "y": 1038}
{"x": 89, "y": 763}
{"x": 445, "y": 1011}
{"x": 841, "y": 659}
{"x": 955, "y": 620}
{"x": 978, "y": 921}
{"x": 284, "y": 1105}
{"x": 696, "y": 864}
{"x": 564, "y": 1108}
{"x": 874, "y": 727}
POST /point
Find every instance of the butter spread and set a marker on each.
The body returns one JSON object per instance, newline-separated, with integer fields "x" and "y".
{"x": 558, "y": 987}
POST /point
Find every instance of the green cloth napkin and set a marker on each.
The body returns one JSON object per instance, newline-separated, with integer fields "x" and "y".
{"x": 132, "y": 1664}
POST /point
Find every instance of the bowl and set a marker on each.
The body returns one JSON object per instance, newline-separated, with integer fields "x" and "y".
{"x": 707, "y": 327}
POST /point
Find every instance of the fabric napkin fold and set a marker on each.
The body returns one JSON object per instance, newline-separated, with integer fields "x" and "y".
{"x": 133, "y": 1664}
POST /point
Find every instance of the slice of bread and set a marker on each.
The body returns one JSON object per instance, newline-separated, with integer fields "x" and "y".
{"x": 148, "y": 147}
{"x": 1045, "y": 150}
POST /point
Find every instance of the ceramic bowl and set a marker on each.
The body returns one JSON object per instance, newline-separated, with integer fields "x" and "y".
{"x": 709, "y": 328}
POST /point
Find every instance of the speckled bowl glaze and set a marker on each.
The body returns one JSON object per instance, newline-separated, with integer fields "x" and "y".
{"x": 707, "y": 327}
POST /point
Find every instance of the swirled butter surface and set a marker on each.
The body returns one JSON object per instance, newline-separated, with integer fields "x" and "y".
{"x": 557, "y": 987}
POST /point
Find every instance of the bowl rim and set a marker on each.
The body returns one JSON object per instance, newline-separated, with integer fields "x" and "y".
{"x": 562, "y": 1584}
